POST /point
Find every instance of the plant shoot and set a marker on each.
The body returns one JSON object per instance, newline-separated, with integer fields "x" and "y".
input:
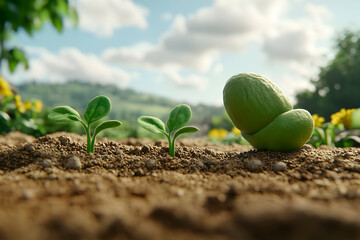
{"x": 96, "y": 109}
{"x": 176, "y": 122}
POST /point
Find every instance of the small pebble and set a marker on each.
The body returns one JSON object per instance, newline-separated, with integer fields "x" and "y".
{"x": 118, "y": 152}
{"x": 64, "y": 140}
{"x": 150, "y": 164}
{"x": 145, "y": 149}
{"x": 279, "y": 167}
{"x": 29, "y": 147}
{"x": 73, "y": 163}
{"x": 27, "y": 194}
{"x": 179, "y": 192}
{"x": 139, "y": 173}
{"x": 209, "y": 151}
{"x": 50, "y": 170}
{"x": 254, "y": 165}
{"x": 158, "y": 143}
{"x": 136, "y": 151}
{"x": 46, "y": 163}
{"x": 199, "y": 165}
{"x": 307, "y": 147}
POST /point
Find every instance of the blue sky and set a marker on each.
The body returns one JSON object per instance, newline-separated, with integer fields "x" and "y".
{"x": 186, "y": 50}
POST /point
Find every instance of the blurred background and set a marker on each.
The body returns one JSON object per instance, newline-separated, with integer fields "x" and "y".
{"x": 149, "y": 56}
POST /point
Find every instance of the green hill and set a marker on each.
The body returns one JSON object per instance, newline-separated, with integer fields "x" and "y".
{"x": 127, "y": 104}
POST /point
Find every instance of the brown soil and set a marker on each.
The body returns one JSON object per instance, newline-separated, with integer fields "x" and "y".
{"x": 50, "y": 188}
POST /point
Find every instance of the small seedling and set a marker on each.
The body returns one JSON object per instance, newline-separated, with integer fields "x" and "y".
{"x": 96, "y": 109}
{"x": 178, "y": 118}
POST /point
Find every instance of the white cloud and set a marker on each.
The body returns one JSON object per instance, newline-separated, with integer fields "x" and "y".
{"x": 218, "y": 68}
{"x": 318, "y": 12}
{"x": 292, "y": 42}
{"x": 298, "y": 39}
{"x": 71, "y": 64}
{"x": 191, "y": 80}
{"x": 105, "y": 16}
{"x": 193, "y": 43}
{"x": 132, "y": 56}
{"x": 228, "y": 25}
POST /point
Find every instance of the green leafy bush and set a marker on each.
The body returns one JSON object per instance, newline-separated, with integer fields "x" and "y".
{"x": 16, "y": 115}
{"x": 342, "y": 131}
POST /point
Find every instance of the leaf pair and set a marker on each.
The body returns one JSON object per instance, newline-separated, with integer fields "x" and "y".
{"x": 14, "y": 57}
{"x": 177, "y": 120}
{"x": 96, "y": 109}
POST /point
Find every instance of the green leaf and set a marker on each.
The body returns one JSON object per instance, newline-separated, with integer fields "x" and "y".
{"x": 185, "y": 130}
{"x": 179, "y": 117}
{"x": 105, "y": 125}
{"x": 4, "y": 116}
{"x": 355, "y": 138}
{"x": 57, "y": 22}
{"x": 15, "y": 56}
{"x": 12, "y": 65}
{"x": 330, "y": 135}
{"x": 152, "y": 124}
{"x": 7, "y": 100}
{"x": 60, "y": 7}
{"x": 97, "y": 108}
{"x": 102, "y": 126}
{"x": 320, "y": 132}
{"x": 64, "y": 114}
{"x": 17, "y": 53}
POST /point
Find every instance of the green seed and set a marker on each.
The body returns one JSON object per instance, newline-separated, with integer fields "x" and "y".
{"x": 264, "y": 115}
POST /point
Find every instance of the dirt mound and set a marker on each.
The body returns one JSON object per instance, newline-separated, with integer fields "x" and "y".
{"x": 51, "y": 188}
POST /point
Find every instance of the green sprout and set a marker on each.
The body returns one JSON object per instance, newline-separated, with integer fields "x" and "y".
{"x": 178, "y": 118}
{"x": 96, "y": 109}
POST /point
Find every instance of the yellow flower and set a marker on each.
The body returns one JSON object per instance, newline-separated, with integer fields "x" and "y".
{"x": 38, "y": 106}
{"x": 27, "y": 105}
{"x": 19, "y": 104}
{"x": 318, "y": 121}
{"x": 5, "y": 88}
{"x": 343, "y": 116}
{"x": 217, "y": 133}
{"x": 236, "y": 131}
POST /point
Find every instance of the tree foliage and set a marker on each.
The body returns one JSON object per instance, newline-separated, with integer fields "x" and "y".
{"x": 28, "y": 15}
{"x": 338, "y": 84}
